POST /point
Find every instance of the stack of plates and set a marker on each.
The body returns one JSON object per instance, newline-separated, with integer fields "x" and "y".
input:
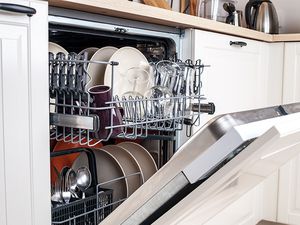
{"x": 128, "y": 160}
{"x": 147, "y": 163}
{"x": 101, "y": 74}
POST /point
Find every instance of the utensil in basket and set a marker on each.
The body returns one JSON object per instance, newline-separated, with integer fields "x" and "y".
{"x": 71, "y": 182}
{"x": 56, "y": 196}
{"x": 84, "y": 179}
{"x": 65, "y": 193}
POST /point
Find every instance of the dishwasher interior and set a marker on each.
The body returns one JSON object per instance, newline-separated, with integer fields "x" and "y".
{"x": 92, "y": 126}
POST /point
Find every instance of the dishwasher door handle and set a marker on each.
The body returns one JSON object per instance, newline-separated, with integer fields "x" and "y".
{"x": 17, "y": 9}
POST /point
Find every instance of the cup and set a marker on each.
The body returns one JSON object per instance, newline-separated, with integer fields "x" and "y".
{"x": 102, "y": 94}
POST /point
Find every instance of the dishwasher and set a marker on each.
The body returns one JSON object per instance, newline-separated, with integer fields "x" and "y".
{"x": 200, "y": 163}
{"x": 74, "y": 119}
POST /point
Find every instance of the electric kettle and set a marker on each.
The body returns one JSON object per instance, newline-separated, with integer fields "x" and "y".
{"x": 261, "y": 15}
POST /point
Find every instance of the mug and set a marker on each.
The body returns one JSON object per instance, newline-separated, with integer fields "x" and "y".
{"x": 102, "y": 94}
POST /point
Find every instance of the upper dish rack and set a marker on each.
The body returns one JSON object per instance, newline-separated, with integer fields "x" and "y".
{"x": 82, "y": 116}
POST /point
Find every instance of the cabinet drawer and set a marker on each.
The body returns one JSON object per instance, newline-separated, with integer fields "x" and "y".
{"x": 242, "y": 76}
{"x": 226, "y": 42}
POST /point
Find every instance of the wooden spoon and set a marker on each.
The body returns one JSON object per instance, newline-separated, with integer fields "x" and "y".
{"x": 182, "y": 6}
{"x": 193, "y": 5}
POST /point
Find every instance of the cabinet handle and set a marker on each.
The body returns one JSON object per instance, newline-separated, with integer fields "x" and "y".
{"x": 17, "y": 8}
{"x": 238, "y": 43}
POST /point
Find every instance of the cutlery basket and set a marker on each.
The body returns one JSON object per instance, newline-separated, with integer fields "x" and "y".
{"x": 89, "y": 211}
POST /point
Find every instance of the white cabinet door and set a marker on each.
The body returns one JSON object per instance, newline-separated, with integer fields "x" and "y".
{"x": 291, "y": 82}
{"x": 24, "y": 120}
{"x": 289, "y": 182}
{"x": 239, "y": 78}
{"x": 15, "y": 128}
{"x": 289, "y": 193}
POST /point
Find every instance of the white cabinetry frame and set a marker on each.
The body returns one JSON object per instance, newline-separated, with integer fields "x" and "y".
{"x": 289, "y": 179}
{"x": 291, "y": 82}
{"x": 24, "y": 119}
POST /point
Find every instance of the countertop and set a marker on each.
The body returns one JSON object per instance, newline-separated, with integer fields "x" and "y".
{"x": 140, "y": 12}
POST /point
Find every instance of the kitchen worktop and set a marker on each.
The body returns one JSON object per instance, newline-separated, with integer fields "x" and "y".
{"x": 140, "y": 12}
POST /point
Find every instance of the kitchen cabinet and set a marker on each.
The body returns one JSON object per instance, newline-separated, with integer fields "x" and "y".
{"x": 289, "y": 179}
{"x": 291, "y": 82}
{"x": 24, "y": 138}
{"x": 239, "y": 78}
{"x": 289, "y": 193}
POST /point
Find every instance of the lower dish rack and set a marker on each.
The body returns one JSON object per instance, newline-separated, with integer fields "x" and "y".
{"x": 83, "y": 207}
{"x": 79, "y": 115}
{"x": 90, "y": 210}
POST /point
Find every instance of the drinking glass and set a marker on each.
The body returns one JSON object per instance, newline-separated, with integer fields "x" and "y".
{"x": 168, "y": 73}
{"x": 138, "y": 80}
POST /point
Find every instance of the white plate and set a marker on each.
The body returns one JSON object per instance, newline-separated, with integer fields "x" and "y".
{"x": 108, "y": 168}
{"x": 55, "y": 48}
{"x": 129, "y": 165}
{"x": 127, "y": 57}
{"x": 91, "y": 51}
{"x": 144, "y": 158}
{"x": 96, "y": 71}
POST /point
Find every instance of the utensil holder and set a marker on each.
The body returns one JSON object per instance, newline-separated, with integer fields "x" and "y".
{"x": 89, "y": 211}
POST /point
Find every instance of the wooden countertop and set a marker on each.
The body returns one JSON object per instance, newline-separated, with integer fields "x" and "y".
{"x": 140, "y": 12}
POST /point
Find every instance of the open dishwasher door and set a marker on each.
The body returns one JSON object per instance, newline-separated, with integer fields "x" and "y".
{"x": 210, "y": 168}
